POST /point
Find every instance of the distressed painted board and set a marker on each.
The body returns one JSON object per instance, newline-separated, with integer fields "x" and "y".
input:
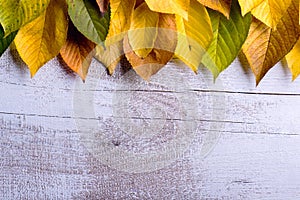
{"x": 179, "y": 136}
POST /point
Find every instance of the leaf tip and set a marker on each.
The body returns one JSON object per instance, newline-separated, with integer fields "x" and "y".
{"x": 215, "y": 77}
{"x": 32, "y": 75}
{"x": 258, "y": 79}
{"x": 32, "y": 72}
{"x": 111, "y": 70}
{"x": 82, "y": 76}
{"x": 294, "y": 77}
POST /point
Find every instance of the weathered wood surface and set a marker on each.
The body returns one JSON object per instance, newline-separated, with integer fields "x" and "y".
{"x": 177, "y": 137}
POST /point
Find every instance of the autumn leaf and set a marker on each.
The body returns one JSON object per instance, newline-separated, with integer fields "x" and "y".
{"x": 293, "y": 60}
{"x": 265, "y": 46}
{"x": 248, "y": 5}
{"x": 103, "y": 5}
{"x": 78, "y": 52}
{"x": 16, "y": 13}
{"x": 178, "y": 7}
{"x": 5, "y": 41}
{"x": 138, "y": 3}
{"x": 269, "y": 12}
{"x": 40, "y": 40}
{"x": 223, "y": 6}
{"x": 229, "y": 36}
{"x": 88, "y": 19}
{"x": 110, "y": 55}
{"x": 194, "y": 35}
{"x": 121, "y": 11}
{"x": 143, "y": 30}
{"x": 162, "y": 52}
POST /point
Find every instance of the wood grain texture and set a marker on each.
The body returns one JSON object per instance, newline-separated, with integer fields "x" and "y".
{"x": 228, "y": 140}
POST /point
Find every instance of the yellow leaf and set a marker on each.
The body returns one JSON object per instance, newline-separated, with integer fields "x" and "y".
{"x": 248, "y": 5}
{"x": 265, "y": 46}
{"x": 178, "y": 7}
{"x": 78, "y": 52}
{"x": 40, "y": 40}
{"x": 121, "y": 11}
{"x": 194, "y": 35}
{"x": 143, "y": 30}
{"x": 293, "y": 60}
{"x": 162, "y": 52}
{"x": 223, "y": 6}
{"x": 110, "y": 55}
{"x": 268, "y": 11}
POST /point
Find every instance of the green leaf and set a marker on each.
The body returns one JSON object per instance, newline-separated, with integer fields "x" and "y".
{"x": 229, "y": 36}
{"x": 88, "y": 19}
{"x": 5, "y": 41}
{"x": 16, "y": 13}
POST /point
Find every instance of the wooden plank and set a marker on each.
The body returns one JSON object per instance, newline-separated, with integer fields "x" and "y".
{"x": 188, "y": 137}
{"x": 236, "y": 78}
{"x": 40, "y": 163}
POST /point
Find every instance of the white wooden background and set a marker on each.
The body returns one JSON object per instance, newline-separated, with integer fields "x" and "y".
{"x": 179, "y": 136}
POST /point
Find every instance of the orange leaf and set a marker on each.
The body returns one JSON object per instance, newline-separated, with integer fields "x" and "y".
{"x": 163, "y": 50}
{"x": 78, "y": 52}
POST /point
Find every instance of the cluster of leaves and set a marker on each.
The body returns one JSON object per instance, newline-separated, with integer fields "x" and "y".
{"x": 149, "y": 33}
